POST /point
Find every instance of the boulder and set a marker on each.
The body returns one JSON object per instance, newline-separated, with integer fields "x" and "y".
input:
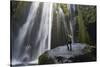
{"x": 80, "y": 53}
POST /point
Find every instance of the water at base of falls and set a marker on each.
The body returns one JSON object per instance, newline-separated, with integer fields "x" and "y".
{"x": 15, "y": 63}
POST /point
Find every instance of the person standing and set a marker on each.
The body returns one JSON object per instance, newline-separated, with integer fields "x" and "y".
{"x": 69, "y": 45}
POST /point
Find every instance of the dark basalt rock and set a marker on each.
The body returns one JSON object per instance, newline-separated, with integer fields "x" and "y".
{"x": 45, "y": 59}
{"x": 79, "y": 53}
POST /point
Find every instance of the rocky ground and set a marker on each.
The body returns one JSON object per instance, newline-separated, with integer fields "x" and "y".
{"x": 80, "y": 53}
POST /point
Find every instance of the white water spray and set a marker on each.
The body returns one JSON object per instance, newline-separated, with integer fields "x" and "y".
{"x": 42, "y": 39}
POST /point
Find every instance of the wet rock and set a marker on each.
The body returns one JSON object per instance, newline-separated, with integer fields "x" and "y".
{"x": 45, "y": 59}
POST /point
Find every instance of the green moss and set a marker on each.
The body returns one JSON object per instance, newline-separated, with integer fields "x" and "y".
{"x": 44, "y": 59}
{"x": 20, "y": 7}
{"x": 83, "y": 35}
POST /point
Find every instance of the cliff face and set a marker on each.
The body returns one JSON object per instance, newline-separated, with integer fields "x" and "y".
{"x": 80, "y": 24}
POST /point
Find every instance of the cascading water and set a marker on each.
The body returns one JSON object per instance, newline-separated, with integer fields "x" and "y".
{"x": 43, "y": 35}
{"x": 22, "y": 33}
{"x": 72, "y": 20}
{"x": 32, "y": 38}
{"x": 36, "y": 35}
{"x": 61, "y": 13}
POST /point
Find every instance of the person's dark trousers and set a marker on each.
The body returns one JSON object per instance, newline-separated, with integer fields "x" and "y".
{"x": 70, "y": 47}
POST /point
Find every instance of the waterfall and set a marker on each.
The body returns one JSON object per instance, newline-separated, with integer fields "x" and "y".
{"x": 23, "y": 31}
{"x": 36, "y": 35}
{"x": 72, "y": 20}
{"x": 62, "y": 16}
{"x": 43, "y": 35}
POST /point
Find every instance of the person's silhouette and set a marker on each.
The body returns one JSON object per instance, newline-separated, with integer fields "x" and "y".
{"x": 69, "y": 45}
